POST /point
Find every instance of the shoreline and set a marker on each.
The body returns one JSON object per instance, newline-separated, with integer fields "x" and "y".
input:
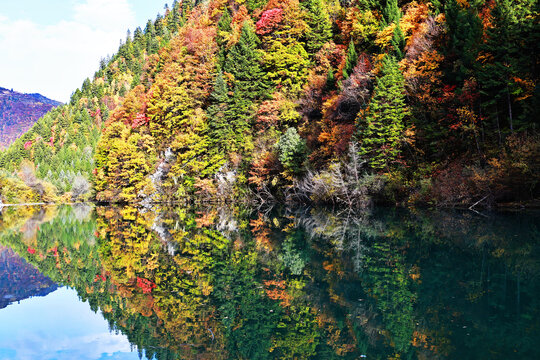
{"x": 533, "y": 205}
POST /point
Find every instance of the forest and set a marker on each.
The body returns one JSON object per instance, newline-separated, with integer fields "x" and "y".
{"x": 349, "y": 102}
{"x": 307, "y": 284}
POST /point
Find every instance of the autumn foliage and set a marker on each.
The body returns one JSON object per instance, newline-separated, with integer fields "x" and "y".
{"x": 239, "y": 98}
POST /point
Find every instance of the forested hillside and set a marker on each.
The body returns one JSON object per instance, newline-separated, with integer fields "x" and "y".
{"x": 18, "y": 112}
{"x": 55, "y": 159}
{"x": 311, "y": 101}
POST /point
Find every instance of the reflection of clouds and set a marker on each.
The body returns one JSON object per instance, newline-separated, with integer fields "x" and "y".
{"x": 92, "y": 346}
{"x": 58, "y": 326}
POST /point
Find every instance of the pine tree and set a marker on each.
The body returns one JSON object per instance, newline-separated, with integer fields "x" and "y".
{"x": 464, "y": 36}
{"x": 219, "y": 130}
{"x": 174, "y": 20}
{"x": 243, "y": 63}
{"x": 391, "y": 15}
{"x": 223, "y": 28}
{"x": 398, "y": 42}
{"x": 320, "y": 26}
{"x": 504, "y": 59}
{"x": 350, "y": 62}
{"x": 330, "y": 80}
{"x": 380, "y": 133}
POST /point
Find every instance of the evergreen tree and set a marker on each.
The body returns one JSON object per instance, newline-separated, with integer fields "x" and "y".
{"x": 243, "y": 62}
{"x": 504, "y": 59}
{"x": 391, "y": 15}
{"x": 137, "y": 35}
{"x": 218, "y": 127}
{"x": 223, "y": 28}
{"x": 174, "y": 20}
{"x": 187, "y": 5}
{"x": 398, "y": 42}
{"x": 380, "y": 132}
{"x": 320, "y": 26}
{"x": 464, "y": 35}
{"x": 330, "y": 80}
{"x": 350, "y": 62}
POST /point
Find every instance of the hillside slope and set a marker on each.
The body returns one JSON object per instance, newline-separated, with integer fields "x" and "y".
{"x": 18, "y": 112}
{"x": 313, "y": 101}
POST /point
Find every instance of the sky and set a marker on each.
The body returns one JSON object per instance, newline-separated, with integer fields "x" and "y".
{"x": 51, "y": 46}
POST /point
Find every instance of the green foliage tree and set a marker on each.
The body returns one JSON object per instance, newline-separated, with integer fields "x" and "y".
{"x": 464, "y": 34}
{"x": 291, "y": 149}
{"x": 505, "y": 59}
{"x": 380, "y": 132}
{"x": 223, "y": 30}
{"x": 219, "y": 130}
{"x": 320, "y": 26}
{"x": 243, "y": 63}
{"x": 350, "y": 61}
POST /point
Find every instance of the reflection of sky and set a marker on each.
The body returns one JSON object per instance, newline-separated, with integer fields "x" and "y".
{"x": 58, "y": 326}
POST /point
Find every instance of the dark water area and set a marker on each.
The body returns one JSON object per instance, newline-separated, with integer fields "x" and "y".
{"x": 233, "y": 283}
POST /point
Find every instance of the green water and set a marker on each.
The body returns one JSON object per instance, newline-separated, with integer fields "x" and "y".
{"x": 232, "y": 283}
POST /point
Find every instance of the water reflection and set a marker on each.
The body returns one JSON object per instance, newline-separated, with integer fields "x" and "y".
{"x": 230, "y": 283}
{"x": 58, "y": 326}
{"x": 20, "y": 280}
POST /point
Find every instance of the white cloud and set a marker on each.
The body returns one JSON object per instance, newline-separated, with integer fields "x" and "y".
{"x": 55, "y": 59}
{"x": 85, "y": 347}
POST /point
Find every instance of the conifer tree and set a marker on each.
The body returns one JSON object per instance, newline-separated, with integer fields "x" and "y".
{"x": 350, "y": 62}
{"x": 174, "y": 19}
{"x": 503, "y": 59}
{"x": 464, "y": 30}
{"x": 243, "y": 63}
{"x": 218, "y": 127}
{"x": 380, "y": 132}
{"x": 398, "y": 42}
{"x": 391, "y": 15}
{"x": 320, "y": 26}
{"x": 223, "y": 28}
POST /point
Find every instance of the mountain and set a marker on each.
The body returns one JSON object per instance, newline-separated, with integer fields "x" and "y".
{"x": 409, "y": 102}
{"x": 18, "y": 112}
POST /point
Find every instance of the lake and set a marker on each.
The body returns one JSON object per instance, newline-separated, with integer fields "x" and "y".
{"x": 89, "y": 282}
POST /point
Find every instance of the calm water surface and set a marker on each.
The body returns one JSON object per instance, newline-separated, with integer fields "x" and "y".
{"x": 88, "y": 282}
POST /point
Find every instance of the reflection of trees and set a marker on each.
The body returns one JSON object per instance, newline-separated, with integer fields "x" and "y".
{"x": 345, "y": 230}
{"x": 425, "y": 272}
{"x": 361, "y": 240}
{"x": 221, "y": 283}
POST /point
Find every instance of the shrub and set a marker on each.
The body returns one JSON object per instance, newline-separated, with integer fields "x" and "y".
{"x": 80, "y": 188}
{"x": 346, "y": 184}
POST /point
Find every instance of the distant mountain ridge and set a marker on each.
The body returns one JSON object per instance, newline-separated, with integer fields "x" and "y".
{"x": 18, "y": 112}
